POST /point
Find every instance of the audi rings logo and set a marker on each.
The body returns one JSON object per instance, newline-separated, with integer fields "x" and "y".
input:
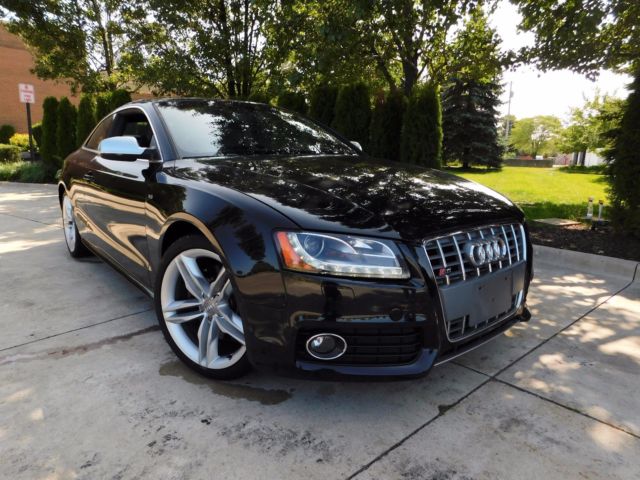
{"x": 485, "y": 250}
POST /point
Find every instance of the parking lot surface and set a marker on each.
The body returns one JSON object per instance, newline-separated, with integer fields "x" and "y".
{"x": 89, "y": 389}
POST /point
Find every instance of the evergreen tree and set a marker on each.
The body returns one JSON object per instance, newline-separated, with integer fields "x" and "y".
{"x": 422, "y": 128}
{"x": 323, "y": 103}
{"x": 48, "y": 149}
{"x": 352, "y": 114}
{"x": 103, "y": 106}
{"x": 118, "y": 98}
{"x": 65, "y": 129}
{"x": 293, "y": 101}
{"x": 469, "y": 122}
{"x": 624, "y": 166}
{"x": 386, "y": 125}
{"x": 86, "y": 119}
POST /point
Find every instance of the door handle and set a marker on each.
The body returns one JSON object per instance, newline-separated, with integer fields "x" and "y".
{"x": 89, "y": 176}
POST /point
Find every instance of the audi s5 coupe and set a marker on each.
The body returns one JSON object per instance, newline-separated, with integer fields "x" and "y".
{"x": 267, "y": 240}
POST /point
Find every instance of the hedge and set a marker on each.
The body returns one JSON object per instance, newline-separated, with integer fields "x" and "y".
{"x": 386, "y": 126}
{"x": 352, "y": 113}
{"x": 422, "y": 128}
{"x": 86, "y": 119}
{"x": 293, "y": 101}
{"x": 20, "y": 140}
{"x": 36, "y": 131}
{"x": 49, "y": 126}
{"x": 66, "y": 129}
{"x": 323, "y": 103}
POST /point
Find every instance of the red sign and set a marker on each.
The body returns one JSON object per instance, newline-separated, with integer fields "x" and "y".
{"x": 27, "y": 93}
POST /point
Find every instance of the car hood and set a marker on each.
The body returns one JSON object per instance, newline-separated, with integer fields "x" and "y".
{"x": 356, "y": 195}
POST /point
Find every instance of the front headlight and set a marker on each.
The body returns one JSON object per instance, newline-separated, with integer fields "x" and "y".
{"x": 341, "y": 255}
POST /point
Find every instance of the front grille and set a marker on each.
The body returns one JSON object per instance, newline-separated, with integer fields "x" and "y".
{"x": 449, "y": 262}
{"x": 459, "y": 328}
{"x": 368, "y": 344}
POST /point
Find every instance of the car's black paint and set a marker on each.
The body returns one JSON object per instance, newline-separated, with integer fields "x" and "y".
{"x": 128, "y": 212}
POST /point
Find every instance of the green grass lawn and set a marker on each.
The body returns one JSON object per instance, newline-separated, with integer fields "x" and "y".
{"x": 545, "y": 192}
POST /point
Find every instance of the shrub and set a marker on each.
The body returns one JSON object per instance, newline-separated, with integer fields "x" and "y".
{"x": 386, "y": 125}
{"x": 36, "y": 131}
{"x": 118, "y": 98}
{"x": 66, "y": 129}
{"x": 103, "y": 106}
{"x": 49, "y": 127}
{"x": 86, "y": 119}
{"x": 624, "y": 167}
{"x": 422, "y": 128}
{"x": 9, "y": 153}
{"x": 6, "y": 132}
{"x": 31, "y": 172}
{"x": 352, "y": 113}
{"x": 323, "y": 103}
{"x": 20, "y": 140}
{"x": 293, "y": 101}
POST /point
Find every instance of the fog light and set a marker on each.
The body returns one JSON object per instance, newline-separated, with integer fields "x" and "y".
{"x": 326, "y": 346}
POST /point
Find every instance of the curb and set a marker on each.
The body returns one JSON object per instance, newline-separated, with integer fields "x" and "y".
{"x": 586, "y": 262}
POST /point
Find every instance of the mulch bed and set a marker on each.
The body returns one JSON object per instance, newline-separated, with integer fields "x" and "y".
{"x": 603, "y": 241}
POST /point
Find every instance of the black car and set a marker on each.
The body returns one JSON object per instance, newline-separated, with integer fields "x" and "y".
{"x": 268, "y": 240}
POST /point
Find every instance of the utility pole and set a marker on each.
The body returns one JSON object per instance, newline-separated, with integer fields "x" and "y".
{"x": 507, "y": 128}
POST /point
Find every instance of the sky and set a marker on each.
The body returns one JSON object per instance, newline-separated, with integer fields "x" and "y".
{"x": 546, "y": 93}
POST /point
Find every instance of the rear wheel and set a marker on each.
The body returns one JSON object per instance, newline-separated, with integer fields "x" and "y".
{"x": 197, "y": 310}
{"x": 71, "y": 234}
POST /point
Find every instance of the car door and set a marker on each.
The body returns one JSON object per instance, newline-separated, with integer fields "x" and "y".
{"x": 82, "y": 184}
{"x": 118, "y": 204}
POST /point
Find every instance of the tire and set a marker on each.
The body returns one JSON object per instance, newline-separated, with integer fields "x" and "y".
{"x": 197, "y": 310}
{"x": 71, "y": 235}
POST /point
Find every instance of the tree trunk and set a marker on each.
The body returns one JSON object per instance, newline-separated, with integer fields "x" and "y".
{"x": 410, "y": 75}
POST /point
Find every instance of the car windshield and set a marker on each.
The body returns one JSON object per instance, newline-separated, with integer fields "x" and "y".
{"x": 210, "y": 128}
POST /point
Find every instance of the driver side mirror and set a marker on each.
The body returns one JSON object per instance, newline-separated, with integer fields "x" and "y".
{"x": 126, "y": 148}
{"x": 357, "y": 145}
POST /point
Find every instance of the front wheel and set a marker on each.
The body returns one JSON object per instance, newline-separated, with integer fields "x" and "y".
{"x": 197, "y": 310}
{"x": 71, "y": 234}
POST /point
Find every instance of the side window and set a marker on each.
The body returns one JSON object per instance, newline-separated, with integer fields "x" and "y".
{"x": 100, "y": 133}
{"x": 133, "y": 123}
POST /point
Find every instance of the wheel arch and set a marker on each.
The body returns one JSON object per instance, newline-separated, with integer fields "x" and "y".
{"x": 182, "y": 224}
{"x": 62, "y": 189}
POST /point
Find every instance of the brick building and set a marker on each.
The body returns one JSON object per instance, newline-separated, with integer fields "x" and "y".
{"x": 15, "y": 64}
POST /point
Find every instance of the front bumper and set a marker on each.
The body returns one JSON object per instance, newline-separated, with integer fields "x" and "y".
{"x": 393, "y": 329}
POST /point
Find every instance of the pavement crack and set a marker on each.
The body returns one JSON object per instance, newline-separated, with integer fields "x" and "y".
{"x": 76, "y": 329}
{"x": 566, "y": 407}
{"x": 56, "y": 224}
{"x": 443, "y": 409}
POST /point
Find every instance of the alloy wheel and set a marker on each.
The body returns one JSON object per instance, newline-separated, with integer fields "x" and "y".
{"x": 199, "y": 309}
{"x": 68, "y": 223}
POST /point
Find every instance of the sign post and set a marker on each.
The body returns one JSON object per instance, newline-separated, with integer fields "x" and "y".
{"x": 28, "y": 96}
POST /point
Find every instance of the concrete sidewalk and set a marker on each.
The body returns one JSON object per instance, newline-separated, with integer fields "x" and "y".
{"x": 89, "y": 389}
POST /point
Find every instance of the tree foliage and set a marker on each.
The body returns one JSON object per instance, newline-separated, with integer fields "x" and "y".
{"x": 582, "y": 35}
{"x": 422, "y": 128}
{"x": 535, "y": 135}
{"x": 65, "y": 129}
{"x": 220, "y": 48}
{"x": 86, "y": 118}
{"x": 323, "y": 103}
{"x": 386, "y": 125}
{"x": 48, "y": 149}
{"x": 79, "y": 42}
{"x": 352, "y": 113}
{"x": 624, "y": 167}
